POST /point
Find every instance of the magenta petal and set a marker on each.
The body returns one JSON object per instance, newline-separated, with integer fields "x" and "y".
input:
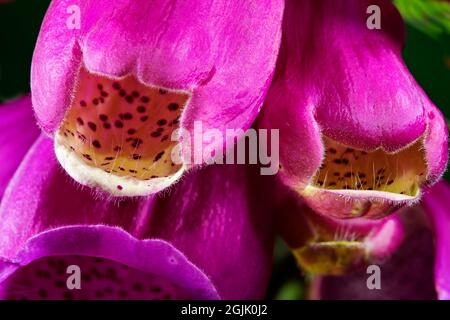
{"x": 342, "y": 94}
{"x": 346, "y": 59}
{"x": 436, "y": 142}
{"x": 19, "y": 130}
{"x": 299, "y": 133}
{"x": 233, "y": 227}
{"x": 185, "y": 45}
{"x": 385, "y": 237}
{"x": 36, "y": 201}
{"x": 437, "y": 207}
{"x": 37, "y": 220}
{"x": 55, "y": 66}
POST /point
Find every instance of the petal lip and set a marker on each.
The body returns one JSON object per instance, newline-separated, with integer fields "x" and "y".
{"x": 369, "y": 204}
{"x": 151, "y": 255}
{"x": 111, "y": 184}
{"x": 373, "y": 195}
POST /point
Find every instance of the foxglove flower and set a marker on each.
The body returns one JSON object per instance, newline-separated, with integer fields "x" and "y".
{"x": 174, "y": 246}
{"x": 409, "y": 273}
{"x": 327, "y": 246}
{"x": 113, "y": 80}
{"x": 362, "y": 138}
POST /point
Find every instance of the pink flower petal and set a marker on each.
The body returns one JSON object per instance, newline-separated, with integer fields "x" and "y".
{"x": 19, "y": 130}
{"x": 437, "y": 206}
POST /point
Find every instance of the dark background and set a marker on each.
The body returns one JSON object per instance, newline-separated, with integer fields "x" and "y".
{"x": 427, "y": 54}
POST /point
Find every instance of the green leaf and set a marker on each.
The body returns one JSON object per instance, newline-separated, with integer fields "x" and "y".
{"x": 291, "y": 290}
{"x": 431, "y": 17}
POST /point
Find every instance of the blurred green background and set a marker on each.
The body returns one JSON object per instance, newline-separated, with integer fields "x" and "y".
{"x": 427, "y": 54}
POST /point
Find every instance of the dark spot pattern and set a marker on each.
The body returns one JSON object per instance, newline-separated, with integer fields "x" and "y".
{"x": 96, "y": 144}
{"x": 119, "y": 118}
{"x": 92, "y": 126}
{"x": 173, "y": 106}
{"x": 100, "y": 279}
{"x": 348, "y": 168}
